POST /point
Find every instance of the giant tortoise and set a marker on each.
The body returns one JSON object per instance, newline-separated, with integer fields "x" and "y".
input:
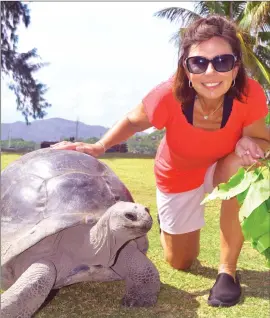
{"x": 67, "y": 218}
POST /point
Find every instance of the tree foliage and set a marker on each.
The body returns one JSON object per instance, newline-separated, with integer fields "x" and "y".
{"x": 19, "y": 68}
{"x": 145, "y": 144}
{"x": 17, "y": 143}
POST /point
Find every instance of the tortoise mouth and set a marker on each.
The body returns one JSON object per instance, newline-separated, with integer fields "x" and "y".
{"x": 145, "y": 227}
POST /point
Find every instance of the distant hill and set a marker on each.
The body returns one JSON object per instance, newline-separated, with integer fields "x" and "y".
{"x": 53, "y": 129}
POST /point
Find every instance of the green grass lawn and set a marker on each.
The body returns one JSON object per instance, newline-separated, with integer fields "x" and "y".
{"x": 183, "y": 293}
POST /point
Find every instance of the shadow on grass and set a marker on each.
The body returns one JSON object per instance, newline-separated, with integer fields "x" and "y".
{"x": 69, "y": 301}
{"x": 103, "y": 299}
{"x": 254, "y": 283}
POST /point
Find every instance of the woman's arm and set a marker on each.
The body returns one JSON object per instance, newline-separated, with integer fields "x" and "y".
{"x": 259, "y": 132}
{"x": 135, "y": 121}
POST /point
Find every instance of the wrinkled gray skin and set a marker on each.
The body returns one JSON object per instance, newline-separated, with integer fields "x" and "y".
{"x": 67, "y": 218}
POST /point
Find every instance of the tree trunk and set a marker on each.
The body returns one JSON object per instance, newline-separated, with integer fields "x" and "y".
{"x": 231, "y": 11}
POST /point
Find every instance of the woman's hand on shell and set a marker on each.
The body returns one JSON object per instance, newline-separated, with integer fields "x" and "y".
{"x": 94, "y": 150}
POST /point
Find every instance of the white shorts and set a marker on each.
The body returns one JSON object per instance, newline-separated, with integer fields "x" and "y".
{"x": 181, "y": 213}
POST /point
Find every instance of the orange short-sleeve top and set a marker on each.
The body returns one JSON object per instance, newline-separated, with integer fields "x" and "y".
{"x": 186, "y": 151}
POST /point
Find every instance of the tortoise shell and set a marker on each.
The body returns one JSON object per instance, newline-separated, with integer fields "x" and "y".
{"x": 48, "y": 190}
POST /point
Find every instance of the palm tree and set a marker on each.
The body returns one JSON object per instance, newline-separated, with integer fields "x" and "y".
{"x": 253, "y": 20}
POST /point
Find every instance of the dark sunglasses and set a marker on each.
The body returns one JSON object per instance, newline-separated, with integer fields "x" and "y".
{"x": 221, "y": 63}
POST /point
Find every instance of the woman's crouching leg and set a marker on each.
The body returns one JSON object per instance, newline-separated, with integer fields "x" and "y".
{"x": 180, "y": 250}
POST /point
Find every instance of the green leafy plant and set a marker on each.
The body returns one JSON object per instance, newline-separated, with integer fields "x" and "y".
{"x": 251, "y": 187}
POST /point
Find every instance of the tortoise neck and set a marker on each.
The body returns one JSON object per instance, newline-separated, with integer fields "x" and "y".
{"x": 103, "y": 242}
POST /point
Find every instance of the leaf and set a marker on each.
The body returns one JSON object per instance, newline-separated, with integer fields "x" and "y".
{"x": 258, "y": 193}
{"x": 241, "y": 197}
{"x": 234, "y": 180}
{"x": 252, "y": 191}
{"x": 266, "y": 253}
{"x": 267, "y": 119}
{"x": 257, "y": 223}
{"x": 237, "y": 184}
{"x": 263, "y": 242}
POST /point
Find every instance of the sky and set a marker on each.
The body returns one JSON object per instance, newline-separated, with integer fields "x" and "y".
{"x": 104, "y": 57}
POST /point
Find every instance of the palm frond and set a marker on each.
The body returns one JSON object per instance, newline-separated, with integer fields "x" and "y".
{"x": 260, "y": 13}
{"x": 263, "y": 53}
{"x": 256, "y": 16}
{"x": 179, "y": 15}
{"x": 264, "y": 38}
{"x": 244, "y": 21}
{"x": 203, "y": 8}
{"x": 243, "y": 47}
{"x": 265, "y": 27}
{"x": 256, "y": 67}
{"x": 177, "y": 36}
{"x": 237, "y": 8}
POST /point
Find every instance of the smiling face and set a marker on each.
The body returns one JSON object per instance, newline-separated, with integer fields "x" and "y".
{"x": 211, "y": 84}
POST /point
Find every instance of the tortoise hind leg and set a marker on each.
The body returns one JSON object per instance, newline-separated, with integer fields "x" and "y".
{"x": 30, "y": 290}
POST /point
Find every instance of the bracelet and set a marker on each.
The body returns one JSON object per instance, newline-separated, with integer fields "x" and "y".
{"x": 102, "y": 145}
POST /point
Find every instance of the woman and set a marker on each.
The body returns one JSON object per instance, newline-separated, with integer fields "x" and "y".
{"x": 214, "y": 120}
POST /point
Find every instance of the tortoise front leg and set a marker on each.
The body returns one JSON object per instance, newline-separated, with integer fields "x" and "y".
{"x": 140, "y": 274}
{"x": 29, "y": 292}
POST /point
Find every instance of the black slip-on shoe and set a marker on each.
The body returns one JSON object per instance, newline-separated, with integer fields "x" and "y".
{"x": 226, "y": 292}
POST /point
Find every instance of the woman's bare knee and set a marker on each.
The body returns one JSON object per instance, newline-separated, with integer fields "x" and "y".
{"x": 226, "y": 168}
{"x": 181, "y": 250}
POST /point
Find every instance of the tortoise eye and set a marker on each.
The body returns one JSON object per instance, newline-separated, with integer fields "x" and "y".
{"x": 131, "y": 216}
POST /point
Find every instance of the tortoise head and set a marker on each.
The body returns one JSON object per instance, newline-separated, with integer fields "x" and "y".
{"x": 128, "y": 219}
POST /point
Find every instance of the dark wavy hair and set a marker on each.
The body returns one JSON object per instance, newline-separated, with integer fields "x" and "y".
{"x": 202, "y": 30}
